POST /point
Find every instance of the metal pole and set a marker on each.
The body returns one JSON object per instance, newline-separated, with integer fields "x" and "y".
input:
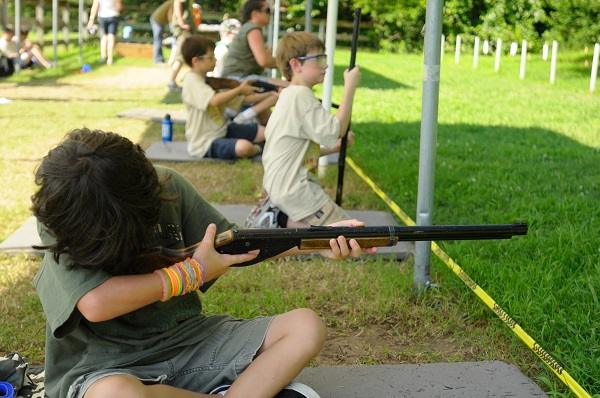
{"x": 270, "y": 28}
{"x": 55, "y": 30}
{"x": 330, "y": 36}
{"x": 429, "y": 113}
{"x": 308, "y": 5}
{"x": 553, "y": 61}
{"x": 17, "y": 26}
{"x": 275, "y": 33}
{"x": 80, "y": 31}
{"x": 4, "y": 13}
{"x": 523, "y": 59}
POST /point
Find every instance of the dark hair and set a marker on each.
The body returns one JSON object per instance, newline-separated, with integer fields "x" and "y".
{"x": 195, "y": 46}
{"x": 8, "y": 29}
{"x": 249, "y": 6}
{"x": 100, "y": 197}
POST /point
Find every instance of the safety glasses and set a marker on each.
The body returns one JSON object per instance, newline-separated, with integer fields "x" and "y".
{"x": 320, "y": 59}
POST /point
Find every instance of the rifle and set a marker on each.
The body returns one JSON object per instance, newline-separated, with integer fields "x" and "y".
{"x": 342, "y": 157}
{"x": 272, "y": 242}
{"x": 223, "y": 83}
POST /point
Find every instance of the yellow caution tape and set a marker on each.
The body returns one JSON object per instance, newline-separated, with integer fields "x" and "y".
{"x": 558, "y": 370}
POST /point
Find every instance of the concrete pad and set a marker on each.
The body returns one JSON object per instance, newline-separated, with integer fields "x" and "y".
{"x": 22, "y": 240}
{"x": 437, "y": 380}
{"x": 154, "y": 115}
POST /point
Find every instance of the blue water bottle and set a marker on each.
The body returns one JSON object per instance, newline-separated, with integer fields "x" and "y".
{"x": 167, "y": 128}
{"x": 6, "y": 390}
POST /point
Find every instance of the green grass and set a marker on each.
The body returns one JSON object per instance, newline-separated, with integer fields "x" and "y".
{"x": 506, "y": 150}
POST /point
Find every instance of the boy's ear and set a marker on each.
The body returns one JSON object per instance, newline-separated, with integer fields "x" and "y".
{"x": 294, "y": 64}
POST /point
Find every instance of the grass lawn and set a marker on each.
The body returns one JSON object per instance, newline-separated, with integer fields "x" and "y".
{"x": 506, "y": 150}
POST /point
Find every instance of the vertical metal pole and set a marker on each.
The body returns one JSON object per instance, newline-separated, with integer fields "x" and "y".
{"x": 66, "y": 31}
{"x": 270, "y": 28}
{"x": 55, "y": 30}
{"x": 442, "y": 47}
{"x": 39, "y": 22}
{"x": 4, "y": 13}
{"x": 429, "y": 114}
{"x": 80, "y": 31}
{"x": 17, "y": 26}
{"x": 330, "y": 36}
{"x": 594, "y": 74}
{"x": 276, "y": 19}
{"x": 308, "y": 5}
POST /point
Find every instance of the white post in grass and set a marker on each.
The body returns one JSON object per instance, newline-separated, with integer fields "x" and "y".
{"x": 55, "y": 30}
{"x": 66, "y": 16}
{"x": 545, "y": 51}
{"x": 523, "y": 59}
{"x": 442, "y": 48}
{"x": 39, "y": 22}
{"x": 276, "y": 15}
{"x": 457, "y": 50}
{"x": 553, "y": 61}
{"x": 485, "y": 49}
{"x": 330, "y": 38}
{"x": 476, "y": 52}
{"x": 498, "y": 54}
{"x": 594, "y": 74}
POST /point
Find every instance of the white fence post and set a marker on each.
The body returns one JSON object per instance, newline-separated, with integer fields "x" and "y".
{"x": 594, "y": 74}
{"x": 553, "y": 61}
{"x": 457, "y": 50}
{"x": 442, "y": 48}
{"x": 66, "y": 15}
{"x": 485, "y": 49}
{"x": 476, "y": 52}
{"x": 498, "y": 54}
{"x": 523, "y": 59}
{"x": 545, "y": 51}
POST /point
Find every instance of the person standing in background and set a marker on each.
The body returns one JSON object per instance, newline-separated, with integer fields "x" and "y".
{"x": 108, "y": 18}
{"x": 181, "y": 30}
{"x": 159, "y": 18}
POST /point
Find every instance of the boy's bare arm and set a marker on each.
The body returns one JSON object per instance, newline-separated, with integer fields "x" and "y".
{"x": 120, "y": 295}
{"x": 351, "y": 79}
{"x": 225, "y": 96}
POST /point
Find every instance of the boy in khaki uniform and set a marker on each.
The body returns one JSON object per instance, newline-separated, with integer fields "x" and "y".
{"x": 297, "y": 127}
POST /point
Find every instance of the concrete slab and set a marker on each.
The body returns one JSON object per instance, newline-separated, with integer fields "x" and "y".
{"x": 437, "y": 380}
{"x": 154, "y": 115}
{"x": 22, "y": 240}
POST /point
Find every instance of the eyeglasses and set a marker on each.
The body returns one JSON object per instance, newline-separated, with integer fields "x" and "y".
{"x": 320, "y": 59}
{"x": 209, "y": 56}
{"x": 266, "y": 10}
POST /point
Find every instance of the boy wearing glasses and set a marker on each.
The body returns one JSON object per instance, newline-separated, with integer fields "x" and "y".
{"x": 206, "y": 129}
{"x": 297, "y": 127}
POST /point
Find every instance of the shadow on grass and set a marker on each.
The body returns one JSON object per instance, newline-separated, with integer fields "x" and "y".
{"x": 370, "y": 79}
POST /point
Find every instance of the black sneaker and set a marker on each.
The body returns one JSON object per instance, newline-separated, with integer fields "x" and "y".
{"x": 292, "y": 390}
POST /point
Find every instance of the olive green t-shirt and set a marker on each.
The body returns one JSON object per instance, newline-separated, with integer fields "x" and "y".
{"x": 163, "y": 13}
{"x": 240, "y": 60}
{"x": 154, "y": 333}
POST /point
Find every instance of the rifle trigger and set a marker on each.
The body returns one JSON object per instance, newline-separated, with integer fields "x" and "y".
{"x": 393, "y": 237}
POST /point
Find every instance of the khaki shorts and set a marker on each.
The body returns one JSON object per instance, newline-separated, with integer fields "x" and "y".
{"x": 328, "y": 214}
{"x": 198, "y": 368}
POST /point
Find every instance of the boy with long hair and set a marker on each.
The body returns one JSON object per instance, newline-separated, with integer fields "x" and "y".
{"x": 124, "y": 320}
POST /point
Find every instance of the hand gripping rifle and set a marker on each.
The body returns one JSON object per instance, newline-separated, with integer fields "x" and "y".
{"x": 342, "y": 157}
{"x": 272, "y": 242}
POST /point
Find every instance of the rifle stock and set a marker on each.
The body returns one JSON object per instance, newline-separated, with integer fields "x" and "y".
{"x": 272, "y": 242}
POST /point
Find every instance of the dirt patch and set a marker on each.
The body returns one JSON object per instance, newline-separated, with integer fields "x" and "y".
{"x": 135, "y": 77}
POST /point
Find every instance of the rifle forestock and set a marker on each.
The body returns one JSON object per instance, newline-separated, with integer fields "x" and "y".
{"x": 272, "y": 242}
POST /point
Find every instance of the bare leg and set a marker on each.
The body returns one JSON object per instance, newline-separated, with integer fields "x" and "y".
{"x": 246, "y": 149}
{"x": 36, "y": 52}
{"x": 174, "y": 72}
{"x": 103, "y": 41}
{"x": 126, "y": 386}
{"x": 292, "y": 340}
{"x": 260, "y": 134}
{"x": 110, "y": 45}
